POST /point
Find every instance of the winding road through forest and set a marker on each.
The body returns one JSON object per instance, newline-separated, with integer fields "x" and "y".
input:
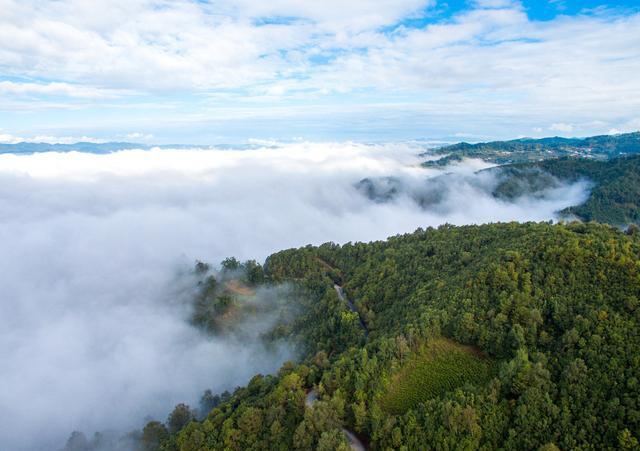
{"x": 351, "y": 306}
{"x": 354, "y": 442}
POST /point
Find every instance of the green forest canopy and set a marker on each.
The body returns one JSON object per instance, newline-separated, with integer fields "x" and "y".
{"x": 554, "y": 308}
{"x": 614, "y": 197}
{"x": 528, "y": 149}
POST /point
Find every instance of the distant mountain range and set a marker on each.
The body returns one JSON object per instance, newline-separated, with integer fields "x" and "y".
{"x": 89, "y": 147}
{"x": 107, "y": 147}
{"x": 527, "y": 149}
{"x": 534, "y": 167}
{"x": 501, "y": 152}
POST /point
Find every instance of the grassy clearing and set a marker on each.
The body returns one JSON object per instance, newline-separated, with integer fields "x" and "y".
{"x": 440, "y": 366}
{"x": 236, "y": 287}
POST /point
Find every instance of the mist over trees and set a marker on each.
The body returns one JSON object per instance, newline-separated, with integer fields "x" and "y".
{"x": 123, "y": 259}
{"x": 551, "y": 312}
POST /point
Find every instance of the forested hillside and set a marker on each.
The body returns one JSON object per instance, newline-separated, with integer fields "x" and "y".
{"x": 613, "y": 186}
{"x": 528, "y": 149}
{"x": 615, "y": 195}
{"x": 512, "y": 336}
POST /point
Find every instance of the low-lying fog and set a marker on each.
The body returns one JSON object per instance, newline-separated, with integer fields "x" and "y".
{"x": 92, "y": 331}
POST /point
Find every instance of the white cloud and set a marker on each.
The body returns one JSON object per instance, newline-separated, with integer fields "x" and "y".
{"x": 137, "y": 44}
{"x": 561, "y": 127}
{"x": 139, "y": 136}
{"x": 336, "y": 15}
{"x": 499, "y": 56}
{"x": 6, "y": 138}
{"x": 91, "y": 336}
{"x": 495, "y": 3}
{"x": 631, "y": 125}
{"x": 181, "y": 44}
{"x": 12, "y": 139}
{"x": 56, "y": 89}
{"x": 187, "y": 57}
{"x": 559, "y": 4}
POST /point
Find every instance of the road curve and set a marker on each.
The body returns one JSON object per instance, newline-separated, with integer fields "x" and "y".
{"x": 343, "y": 297}
{"x": 354, "y": 442}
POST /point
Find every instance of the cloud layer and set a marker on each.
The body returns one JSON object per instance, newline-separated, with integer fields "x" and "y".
{"x": 92, "y": 320}
{"x": 198, "y": 63}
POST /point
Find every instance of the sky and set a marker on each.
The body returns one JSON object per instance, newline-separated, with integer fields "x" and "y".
{"x": 215, "y": 72}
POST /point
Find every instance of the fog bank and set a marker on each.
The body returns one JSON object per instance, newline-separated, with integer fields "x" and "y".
{"x": 93, "y": 330}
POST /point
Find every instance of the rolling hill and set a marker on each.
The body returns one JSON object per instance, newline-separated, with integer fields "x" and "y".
{"x": 527, "y": 149}
{"x": 552, "y": 309}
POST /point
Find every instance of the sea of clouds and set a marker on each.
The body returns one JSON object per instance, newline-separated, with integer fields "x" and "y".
{"x": 93, "y": 329}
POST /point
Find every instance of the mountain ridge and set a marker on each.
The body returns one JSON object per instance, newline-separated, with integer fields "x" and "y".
{"x": 531, "y": 149}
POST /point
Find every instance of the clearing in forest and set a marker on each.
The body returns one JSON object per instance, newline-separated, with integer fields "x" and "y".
{"x": 236, "y": 287}
{"x": 440, "y": 366}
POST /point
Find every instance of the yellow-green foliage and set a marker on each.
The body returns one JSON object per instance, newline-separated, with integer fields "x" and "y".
{"x": 440, "y": 366}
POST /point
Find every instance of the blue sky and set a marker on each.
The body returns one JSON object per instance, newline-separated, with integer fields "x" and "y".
{"x": 182, "y": 71}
